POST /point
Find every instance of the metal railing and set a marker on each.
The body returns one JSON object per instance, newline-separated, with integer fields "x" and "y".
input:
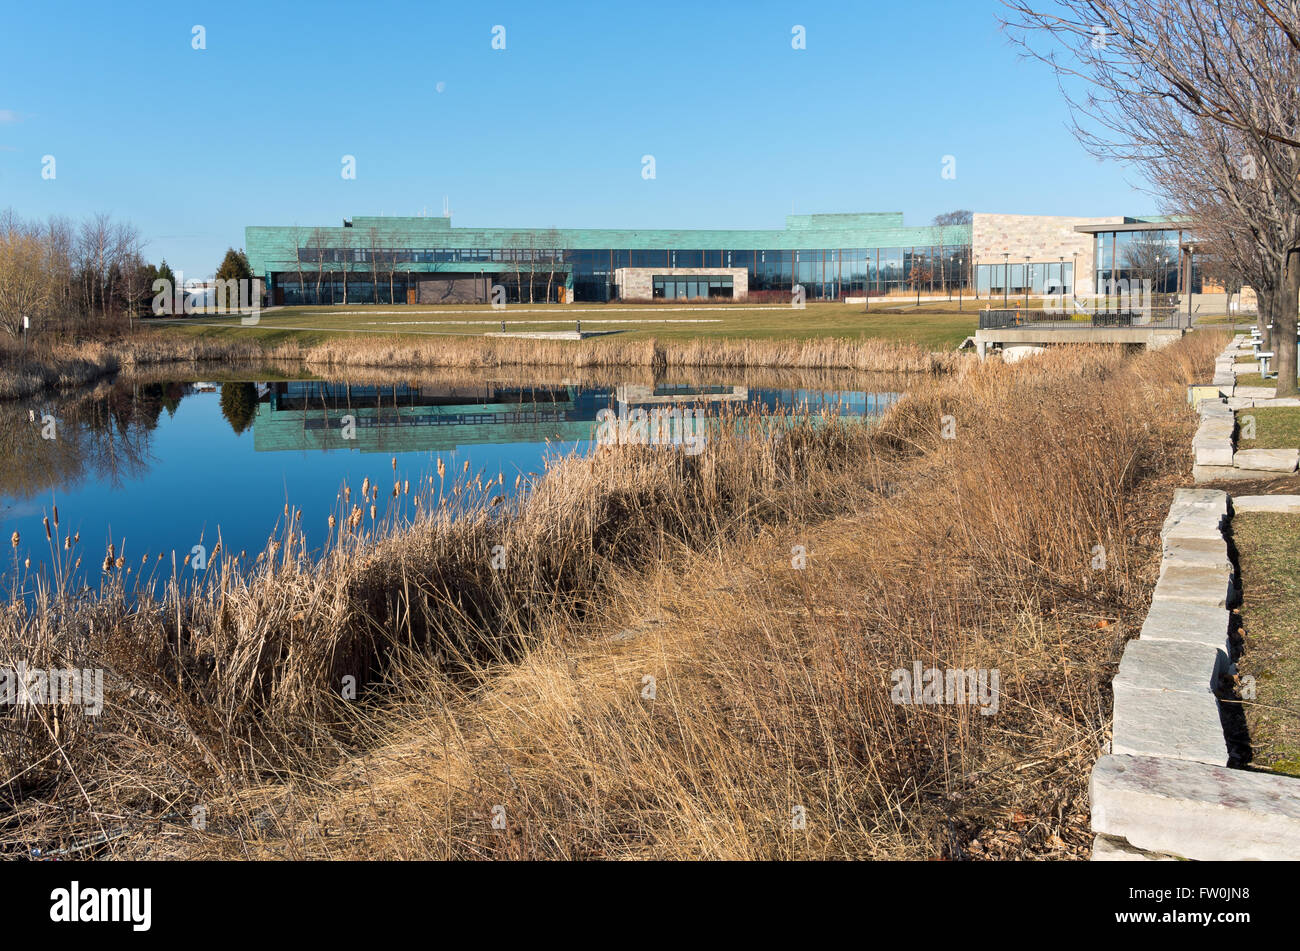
{"x": 1164, "y": 318}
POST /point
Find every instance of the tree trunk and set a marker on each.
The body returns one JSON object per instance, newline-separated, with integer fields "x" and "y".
{"x": 1284, "y": 328}
{"x": 1264, "y": 316}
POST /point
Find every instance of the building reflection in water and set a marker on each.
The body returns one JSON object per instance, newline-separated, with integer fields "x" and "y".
{"x": 312, "y": 414}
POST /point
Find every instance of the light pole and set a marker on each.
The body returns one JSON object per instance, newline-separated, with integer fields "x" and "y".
{"x": 1027, "y": 282}
{"x": 956, "y": 274}
{"x": 1191, "y": 253}
{"x": 1074, "y": 277}
{"x": 1006, "y": 279}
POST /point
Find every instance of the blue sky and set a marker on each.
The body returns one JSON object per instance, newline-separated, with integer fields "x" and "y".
{"x": 193, "y": 145}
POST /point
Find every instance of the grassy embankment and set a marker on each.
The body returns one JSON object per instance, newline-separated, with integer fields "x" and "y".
{"x": 1268, "y": 551}
{"x": 823, "y": 336}
{"x": 526, "y": 687}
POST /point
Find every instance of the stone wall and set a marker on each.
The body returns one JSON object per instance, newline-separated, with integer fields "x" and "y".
{"x": 637, "y": 283}
{"x": 1166, "y": 787}
{"x": 1043, "y": 238}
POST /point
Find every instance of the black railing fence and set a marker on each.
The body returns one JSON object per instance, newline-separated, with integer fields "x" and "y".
{"x": 1163, "y": 318}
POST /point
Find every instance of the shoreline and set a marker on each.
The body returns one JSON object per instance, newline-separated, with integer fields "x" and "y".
{"x": 626, "y": 566}
{"x": 69, "y": 367}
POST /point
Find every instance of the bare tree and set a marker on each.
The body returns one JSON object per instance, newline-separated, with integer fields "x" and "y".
{"x": 551, "y": 246}
{"x": 374, "y": 240}
{"x": 317, "y": 243}
{"x": 1211, "y": 84}
{"x": 26, "y": 289}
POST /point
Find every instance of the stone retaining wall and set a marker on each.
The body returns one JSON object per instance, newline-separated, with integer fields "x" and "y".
{"x": 1164, "y": 790}
{"x": 1217, "y": 457}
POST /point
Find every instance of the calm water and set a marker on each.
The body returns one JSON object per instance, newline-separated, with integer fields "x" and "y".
{"x": 159, "y": 467}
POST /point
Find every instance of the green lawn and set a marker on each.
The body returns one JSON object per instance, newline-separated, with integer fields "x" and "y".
{"x": 1268, "y": 550}
{"x": 935, "y": 326}
{"x": 1275, "y": 428}
{"x": 1254, "y": 379}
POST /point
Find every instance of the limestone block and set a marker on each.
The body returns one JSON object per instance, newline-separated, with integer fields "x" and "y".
{"x": 1196, "y": 584}
{"x": 1171, "y": 665}
{"x": 1281, "y": 504}
{"x": 1203, "y": 624}
{"x": 1195, "y": 810}
{"x": 1267, "y": 460}
{"x": 1179, "y": 724}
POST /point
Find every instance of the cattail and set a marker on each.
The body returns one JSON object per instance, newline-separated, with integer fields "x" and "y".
{"x": 466, "y": 468}
{"x": 67, "y": 543}
{"x": 76, "y": 537}
{"x": 406, "y": 486}
{"x": 46, "y": 521}
{"x": 286, "y": 509}
{"x": 394, "y": 463}
{"x": 27, "y": 562}
{"x": 120, "y": 561}
{"x": 442, "y": 470}
{"x": 372, "y": 513}
{"x": 517, "y": 479}
{"x": 347, "y": 494}
{"x": 365, "y": 487}
{"x": 14, "y": 540}
{"x": 56, "y": 516}
{"x": 332, "y": 521}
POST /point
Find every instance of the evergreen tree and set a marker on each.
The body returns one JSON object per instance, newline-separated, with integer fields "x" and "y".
{"x": 239, "y": 405}
{"x": 234, "y": 266}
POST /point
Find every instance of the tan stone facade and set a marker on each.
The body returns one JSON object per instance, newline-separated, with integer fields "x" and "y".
{"x": 1045, "y": 239}
{"x": 637, "y": 283}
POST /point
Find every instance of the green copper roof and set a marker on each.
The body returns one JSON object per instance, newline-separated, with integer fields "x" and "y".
{"x": 273, "y": 248}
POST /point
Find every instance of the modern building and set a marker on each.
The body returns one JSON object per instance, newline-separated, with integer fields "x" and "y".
{"x": 424, "y": 260}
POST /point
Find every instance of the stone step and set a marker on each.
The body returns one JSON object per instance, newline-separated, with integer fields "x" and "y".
{"x": 1194, "y": 810}
{"x": 1281, "y": 504}
{"x": 1171, "y": 665}
{"x": 1267, "y": 460}
{"x": 1215, "y": 429}
{"x": 1178, "y": 724}
{"x": 1195, "y": 584}
{"x": 1216, "y": 452}
{"x": 1184, "y": 553}
{"x": 1202, "y": 624}
{"x": 1203, "y": 474}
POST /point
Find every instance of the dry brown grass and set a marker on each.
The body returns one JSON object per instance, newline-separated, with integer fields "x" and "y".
{"x": 524, "y": 688}
{"x": 68, "y": 366}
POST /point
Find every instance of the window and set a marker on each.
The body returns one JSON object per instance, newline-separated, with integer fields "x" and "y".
{"x": 691, "y": 287}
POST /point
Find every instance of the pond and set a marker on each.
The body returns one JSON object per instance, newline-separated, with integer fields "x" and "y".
{"x": 156, "y": 467}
